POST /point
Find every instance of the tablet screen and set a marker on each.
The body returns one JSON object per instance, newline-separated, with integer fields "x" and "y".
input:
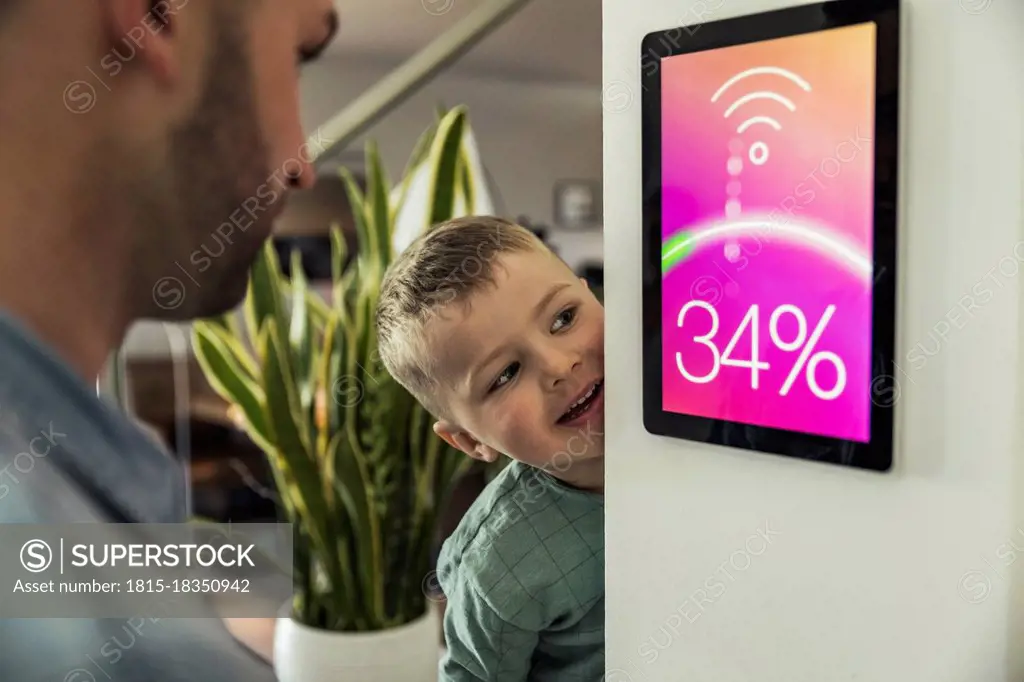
{"x": 767, "y": 210}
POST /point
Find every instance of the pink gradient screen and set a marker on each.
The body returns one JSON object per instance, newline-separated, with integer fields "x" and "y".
{"x": 767, "y": 226}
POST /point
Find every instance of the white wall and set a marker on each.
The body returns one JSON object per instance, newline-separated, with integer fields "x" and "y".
{"x": 530, "y": 133}
{"x": 867, "y": 577}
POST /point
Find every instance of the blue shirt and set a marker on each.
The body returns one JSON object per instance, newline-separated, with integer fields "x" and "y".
{"x": 68, "y": 457}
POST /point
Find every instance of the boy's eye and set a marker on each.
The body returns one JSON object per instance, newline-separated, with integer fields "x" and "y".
{"x": 564, "y": 319}
{"x": 506, "y": 376}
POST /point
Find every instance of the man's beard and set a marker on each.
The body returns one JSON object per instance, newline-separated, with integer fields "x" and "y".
{"x": 212, "y": 223}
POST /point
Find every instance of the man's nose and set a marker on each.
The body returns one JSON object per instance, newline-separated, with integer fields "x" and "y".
{"x": 300, "y": 173}
{"x": 297, "y": 156}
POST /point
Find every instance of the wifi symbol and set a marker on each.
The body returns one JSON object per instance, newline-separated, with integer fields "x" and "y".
{"x": 759, "y": 150}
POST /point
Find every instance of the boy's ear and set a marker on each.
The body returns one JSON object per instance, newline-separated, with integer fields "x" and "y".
{"x": 463, "y": 440}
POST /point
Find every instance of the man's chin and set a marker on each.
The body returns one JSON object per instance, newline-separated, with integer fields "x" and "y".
{"x": 179, "y": 301}
{"x": 228, "y": 298}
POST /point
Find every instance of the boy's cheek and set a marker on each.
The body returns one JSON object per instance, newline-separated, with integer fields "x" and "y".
{"x": 520, "y": 424}
{"x": 598, "y": 317}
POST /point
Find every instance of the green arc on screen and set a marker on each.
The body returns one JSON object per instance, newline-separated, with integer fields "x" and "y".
{"x": 682, "y": 244}
{"x": 675, "y": 249}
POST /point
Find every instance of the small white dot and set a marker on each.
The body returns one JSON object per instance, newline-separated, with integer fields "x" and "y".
{"x": 758, "y": 153}
{"x": 733, "y": 188}
{"x": 732, "y": 208}
{"x": 732, "y": 252}
{"x": 735, "y": 165}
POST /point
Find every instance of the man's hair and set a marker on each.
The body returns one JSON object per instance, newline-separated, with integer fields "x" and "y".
{"x": 447, "y": 265}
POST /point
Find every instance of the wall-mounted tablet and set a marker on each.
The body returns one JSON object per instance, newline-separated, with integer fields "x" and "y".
{"x": 770, "y": 165}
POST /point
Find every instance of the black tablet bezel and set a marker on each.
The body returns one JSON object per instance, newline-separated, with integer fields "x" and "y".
{"x": 877, "y": 454}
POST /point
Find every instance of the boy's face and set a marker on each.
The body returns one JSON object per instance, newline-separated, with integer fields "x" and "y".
{"x": 516, "y": 359}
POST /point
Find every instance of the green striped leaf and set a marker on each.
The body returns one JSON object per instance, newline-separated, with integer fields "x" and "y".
{"x": 226, "y": 376}
{"x": 228, "y": 331}
{"x": 358, "y": 203}
{"x": 445, "y": 154}
{"x": 355, "y": 485}
{"x": 264, "y": 300}
{"x": 300, "y": 333}
{"x": 326, "y": 412}
{"x": 319, "y": 311}
{"x": 281, "y": 394}
{"x": 418, "y": 157}
{"x": 339, "y": 251}
{"x": 379, "y": 207}
{"x": 466, "y": 184}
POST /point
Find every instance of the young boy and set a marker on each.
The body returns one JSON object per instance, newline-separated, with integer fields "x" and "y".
{"x": 498, "y": 338}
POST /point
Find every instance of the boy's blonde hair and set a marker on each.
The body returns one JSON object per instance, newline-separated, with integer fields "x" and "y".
{"x": 447, "y": 265}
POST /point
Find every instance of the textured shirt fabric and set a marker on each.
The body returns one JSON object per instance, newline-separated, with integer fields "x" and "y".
{"x": 68, "y": 457}
{"x": 523, "y": 575}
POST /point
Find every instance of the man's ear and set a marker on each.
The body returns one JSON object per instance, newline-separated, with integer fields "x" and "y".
{"x": 147, "y": 31}
{"x": 463, "y": 440}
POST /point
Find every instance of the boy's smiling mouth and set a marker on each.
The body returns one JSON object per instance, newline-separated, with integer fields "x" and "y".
{"x": 584, "y": 406}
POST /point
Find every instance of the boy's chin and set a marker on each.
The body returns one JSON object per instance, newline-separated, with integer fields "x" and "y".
{"x": 564, "y": 460}
{"x": 590, "y": 457}
{"x": 593, "y": 453}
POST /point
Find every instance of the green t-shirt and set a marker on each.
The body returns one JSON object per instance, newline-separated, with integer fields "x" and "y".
{"x": 524, "y": 578}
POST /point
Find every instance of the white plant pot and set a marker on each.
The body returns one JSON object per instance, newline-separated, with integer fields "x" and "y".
{"x": 409, "y": 653}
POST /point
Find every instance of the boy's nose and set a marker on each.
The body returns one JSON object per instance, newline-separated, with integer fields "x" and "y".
{"x": 561, "y": 365}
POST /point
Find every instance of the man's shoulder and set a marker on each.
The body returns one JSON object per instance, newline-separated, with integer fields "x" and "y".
{"x": 35, "y": 490}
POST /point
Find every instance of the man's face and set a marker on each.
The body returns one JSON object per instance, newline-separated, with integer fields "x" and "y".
{"x": 518, "y": 357}
{"x": 203, "y": 216}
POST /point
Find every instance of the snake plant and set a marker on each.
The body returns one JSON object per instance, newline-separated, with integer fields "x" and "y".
{"x": 358, "y": 470}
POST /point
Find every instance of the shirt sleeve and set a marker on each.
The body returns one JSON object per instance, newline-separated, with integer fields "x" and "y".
{"x": 482, "y": 645}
